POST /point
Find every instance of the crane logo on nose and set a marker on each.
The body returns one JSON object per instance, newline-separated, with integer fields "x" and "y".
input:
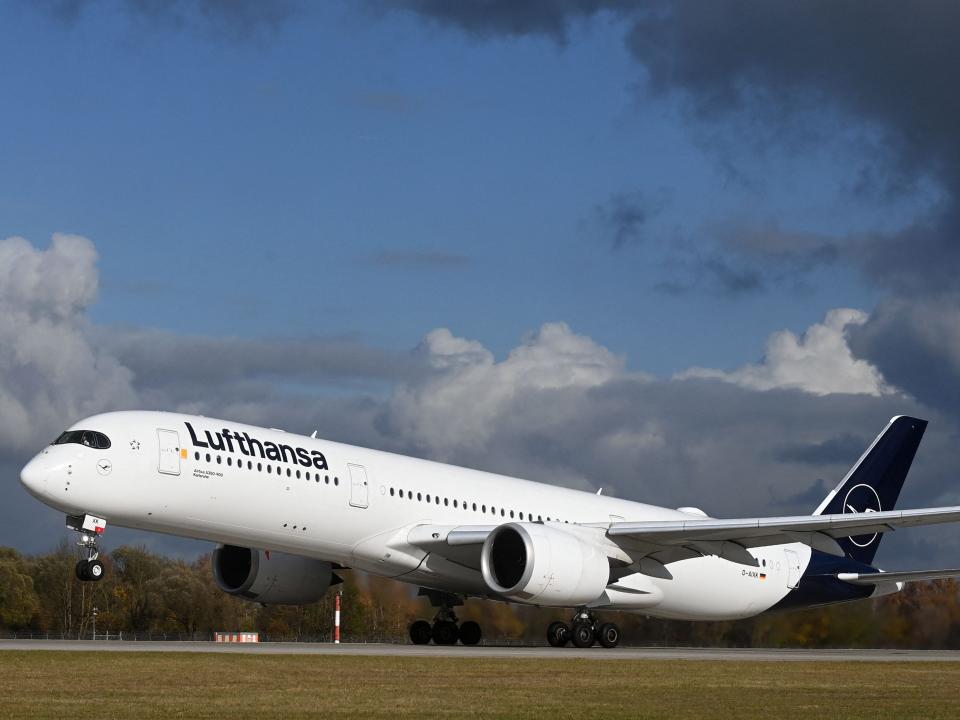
{"x": 104, "y": 467}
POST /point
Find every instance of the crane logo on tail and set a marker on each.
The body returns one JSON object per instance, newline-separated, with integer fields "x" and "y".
{"x": 862, "y": 499}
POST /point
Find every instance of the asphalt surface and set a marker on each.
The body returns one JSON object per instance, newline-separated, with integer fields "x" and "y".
{"x": 596, "y": 653}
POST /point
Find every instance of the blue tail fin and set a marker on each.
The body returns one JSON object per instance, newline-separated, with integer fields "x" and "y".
{"x": 874, "y": 483}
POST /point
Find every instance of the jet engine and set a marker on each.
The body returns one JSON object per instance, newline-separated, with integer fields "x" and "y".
{"x": 271, "y": 578}
{"x": 543, "y": 565}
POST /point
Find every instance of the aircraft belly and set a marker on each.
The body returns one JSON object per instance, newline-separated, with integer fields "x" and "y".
{"x": 711, "y": 588}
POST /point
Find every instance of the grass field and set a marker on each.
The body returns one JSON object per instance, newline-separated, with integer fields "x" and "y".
{"x": 48, "y": 684}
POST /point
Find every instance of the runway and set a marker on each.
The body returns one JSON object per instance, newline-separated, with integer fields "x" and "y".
{"x": 491, "y": 651}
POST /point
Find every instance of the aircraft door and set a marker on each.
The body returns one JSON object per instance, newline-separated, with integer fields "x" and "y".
{"x": 793, "y": 568}
{"x": 358, "y": 486}
{"x": 169, "y": 451}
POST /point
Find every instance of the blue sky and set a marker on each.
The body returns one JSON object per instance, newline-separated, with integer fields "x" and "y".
{"x": 595, "y": 243}
{"x": 365, "y": 174}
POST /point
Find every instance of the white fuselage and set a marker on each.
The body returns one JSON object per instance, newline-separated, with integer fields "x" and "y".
{"x": 357, "y": 507}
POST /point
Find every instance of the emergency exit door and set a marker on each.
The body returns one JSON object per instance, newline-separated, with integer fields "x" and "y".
{"x": 358, "y": 486}
{"x": 169, "y": 451}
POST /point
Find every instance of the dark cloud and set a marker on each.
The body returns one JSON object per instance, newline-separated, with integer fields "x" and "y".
{"x": 811, "y": 497}
{"x": 915, "y": 343}
{"x": 624, "y": 218}
{"x": 420, "y": 259}
{"x": 489, "y": 18}
{"x": 889, "y": 67}
{"x": 782, "y": 252}
{"x": 691, "y": 270}
{"x": 843, "y": 448}
{"x": 205, "y": 360}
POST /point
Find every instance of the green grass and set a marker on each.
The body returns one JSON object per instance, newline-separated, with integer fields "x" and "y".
{"x": 50, "y": 684}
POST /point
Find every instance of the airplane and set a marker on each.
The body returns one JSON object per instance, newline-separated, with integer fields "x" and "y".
{"x": 289, "y": 511}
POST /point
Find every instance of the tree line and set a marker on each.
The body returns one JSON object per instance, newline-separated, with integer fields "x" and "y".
{"x": 150, "y": 595}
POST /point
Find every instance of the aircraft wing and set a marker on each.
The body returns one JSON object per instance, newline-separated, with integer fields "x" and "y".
{"x": 891, "y": 577}
{"x": 818, "y": 531}
{"x": 668, "y": 540}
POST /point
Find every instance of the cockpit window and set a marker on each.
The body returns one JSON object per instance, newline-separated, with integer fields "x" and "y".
{"x": 90, "y": 438}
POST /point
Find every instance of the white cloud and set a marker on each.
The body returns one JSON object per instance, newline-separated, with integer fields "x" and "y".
{"x": 50, "y": 372}
{"x": 459, "y": 405}
{"x": 818, "y": 362}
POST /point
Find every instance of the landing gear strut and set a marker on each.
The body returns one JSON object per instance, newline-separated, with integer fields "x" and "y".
{"x": 583, "y": 631}
{"x": 446, "y": 629}
{"x": 90, "y": 528}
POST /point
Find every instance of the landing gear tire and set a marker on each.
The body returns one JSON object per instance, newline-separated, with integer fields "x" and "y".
{"x": 94, "y": 570}
{"x": 420, "y": 632}
{"x": 445, "y": 632}
{"x": 582, "y": 634}
{"x": 609, "y": 635}
{"x": 89, "y": 570}
{"x": 470, "y": 633}
{"x": 558, "y": 634}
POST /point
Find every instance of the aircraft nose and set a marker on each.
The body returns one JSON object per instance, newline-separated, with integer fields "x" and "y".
{"x": 34, "y": 477}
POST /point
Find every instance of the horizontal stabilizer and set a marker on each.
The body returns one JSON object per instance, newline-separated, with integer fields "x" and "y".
{"x": 892, "y": 577}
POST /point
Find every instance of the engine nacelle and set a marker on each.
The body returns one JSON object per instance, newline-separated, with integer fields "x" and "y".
{"x": 271, "y": 578}
{"x": 542, "y": 565}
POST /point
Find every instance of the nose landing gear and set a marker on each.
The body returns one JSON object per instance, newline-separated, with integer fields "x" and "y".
{"x": 583, "y": 631}
{"x": 90, "y": 529}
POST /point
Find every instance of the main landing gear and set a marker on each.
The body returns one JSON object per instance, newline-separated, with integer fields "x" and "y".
{"x": 446, "y": 629}
{"x": 583, "y": 631}
{"x": 90, "y": 528}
